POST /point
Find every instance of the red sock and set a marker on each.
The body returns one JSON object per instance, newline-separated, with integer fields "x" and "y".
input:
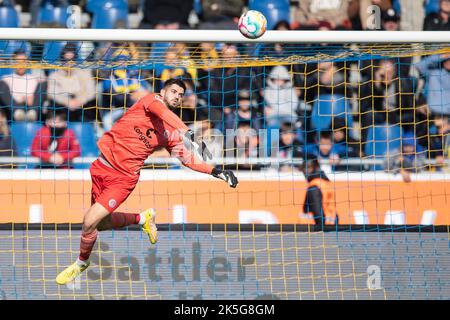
{"x": 120, "y": 220}
{"x": 86, "y": 244}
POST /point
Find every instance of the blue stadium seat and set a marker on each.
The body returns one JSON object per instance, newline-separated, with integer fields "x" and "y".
{"x": 8, "y": 17}
{"x": 397, "y": 6}
{"x": 198, "y": 7}
{"x": 23, "y": 133}
{"x": 326, "y": 107}
{"x": 52, "y": 14}
{"x": 381, "y": 138}
{"x": 85, "y": 134}
{"x": 274, "y": 10}
{"x": 96, "y": 5}
{"x": 52, "y": 50}
{"x": 107, "y": 13}
{"x": 432, "y": 6}
{"x": 108, "y": 19}
{"x": 8, "y": 47}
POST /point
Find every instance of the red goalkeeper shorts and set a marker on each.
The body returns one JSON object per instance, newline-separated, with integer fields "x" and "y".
{"x": 110, "y": 188}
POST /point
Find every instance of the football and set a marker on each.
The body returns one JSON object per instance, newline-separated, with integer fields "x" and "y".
{"x": 252, "y": 24}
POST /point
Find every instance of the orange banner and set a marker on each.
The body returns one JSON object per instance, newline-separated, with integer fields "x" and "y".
{"x": 373, "y": 202}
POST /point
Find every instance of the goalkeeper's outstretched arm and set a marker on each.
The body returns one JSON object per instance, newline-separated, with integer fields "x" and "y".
{"x": 186, "y": 151}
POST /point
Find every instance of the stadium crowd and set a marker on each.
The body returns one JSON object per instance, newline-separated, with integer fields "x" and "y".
{"x": 411, "y": 95}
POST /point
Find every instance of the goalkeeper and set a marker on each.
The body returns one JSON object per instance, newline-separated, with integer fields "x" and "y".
{"x": 147, "y": 125}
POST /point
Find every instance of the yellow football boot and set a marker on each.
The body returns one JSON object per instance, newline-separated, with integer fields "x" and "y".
{"x": 149, "y": 227}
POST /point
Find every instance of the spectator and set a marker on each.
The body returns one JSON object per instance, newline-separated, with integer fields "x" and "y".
{"x": 336, "y": 12}
{"x": 278, "y": 50}
{"x": 290, "y": 146}
{"x": 246, "y": 111}
{"x": 220, "y": 14}
{"x": 386, "y": 98}
{"x": 436, "y": 69}
{"x": 325, "y": 149}
{"x": 438, "y": 21}
{"x": 211, "y": 136}
{"x": 327, "y": 78}
{"x": 208, "y": 55}
{"x": 344, "y": 144}
{"x": 109, "y": 50}
{"x": 440, "y": 140}
{"x": 224, "y": 84}
{"x": 172, "y": 68}
{"x": 121, "y": 90}
{"x": 409, "y": 159}
{"x": 54, "y": 144}
{"x": 390, "y": 20}
{"x": 246, "y": 140}
{"x": 7, "y": 143}
{"x": 166, "y": 14}
{"x": 281, "y": 100}
{"x": 21, "y": 90}
{"x": 73, "y": 89}
{"x": 36, "y": 5}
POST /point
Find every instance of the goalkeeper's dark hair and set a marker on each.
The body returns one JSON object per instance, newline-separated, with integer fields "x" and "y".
{"x": 176, "y": 81}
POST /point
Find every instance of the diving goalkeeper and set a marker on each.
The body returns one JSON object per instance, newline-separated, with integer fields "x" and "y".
{"x": 148, "y": 124}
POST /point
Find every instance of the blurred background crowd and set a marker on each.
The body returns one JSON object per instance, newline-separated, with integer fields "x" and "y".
{"x": 395, "y": 109}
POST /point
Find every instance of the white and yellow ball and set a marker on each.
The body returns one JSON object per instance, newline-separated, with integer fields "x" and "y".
{"x": 252, "y": 24}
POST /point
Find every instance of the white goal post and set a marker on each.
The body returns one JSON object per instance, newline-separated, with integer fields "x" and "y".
{"x": 190, "y": 36}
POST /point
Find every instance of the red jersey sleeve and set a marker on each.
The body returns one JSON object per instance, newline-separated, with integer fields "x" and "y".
{"x": 188, "y": 158}
{"x": 154, "y": 105}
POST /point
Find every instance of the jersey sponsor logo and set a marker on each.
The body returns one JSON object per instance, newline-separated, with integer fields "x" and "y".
{"x": 142, "y": 137}
{"x": 112, "y": 203}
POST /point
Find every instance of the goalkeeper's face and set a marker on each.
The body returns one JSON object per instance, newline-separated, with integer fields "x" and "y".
{"x": 173, "y": 95}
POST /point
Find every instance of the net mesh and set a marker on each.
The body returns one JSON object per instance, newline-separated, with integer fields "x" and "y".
{"x": 362, "y": 103}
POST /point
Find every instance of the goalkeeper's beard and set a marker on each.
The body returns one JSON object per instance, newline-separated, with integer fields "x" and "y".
{"x": 173, "y": 105}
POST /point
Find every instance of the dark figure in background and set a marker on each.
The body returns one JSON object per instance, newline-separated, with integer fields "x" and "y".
{"x": 166, "y": 14}
{"x": 224, "y": 84}
{"x": 438, "y": 21}
{"x": 346, "y": 144}
{"x": 220, "y": 14}
{"x": 386, "y": 98}
{"x": 320, "y": 202}
{"x": 7, "y": 143}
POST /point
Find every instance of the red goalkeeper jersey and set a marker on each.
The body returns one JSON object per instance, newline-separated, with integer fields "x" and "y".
{"x": 148, "y": 124}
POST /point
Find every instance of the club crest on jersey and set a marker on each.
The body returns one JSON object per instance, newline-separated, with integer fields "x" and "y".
{"x": 149, "y": 132}
{"x": 112, "y": 203}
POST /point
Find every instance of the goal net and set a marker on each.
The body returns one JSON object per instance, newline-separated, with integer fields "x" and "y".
{"x": 374, "y": 114}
